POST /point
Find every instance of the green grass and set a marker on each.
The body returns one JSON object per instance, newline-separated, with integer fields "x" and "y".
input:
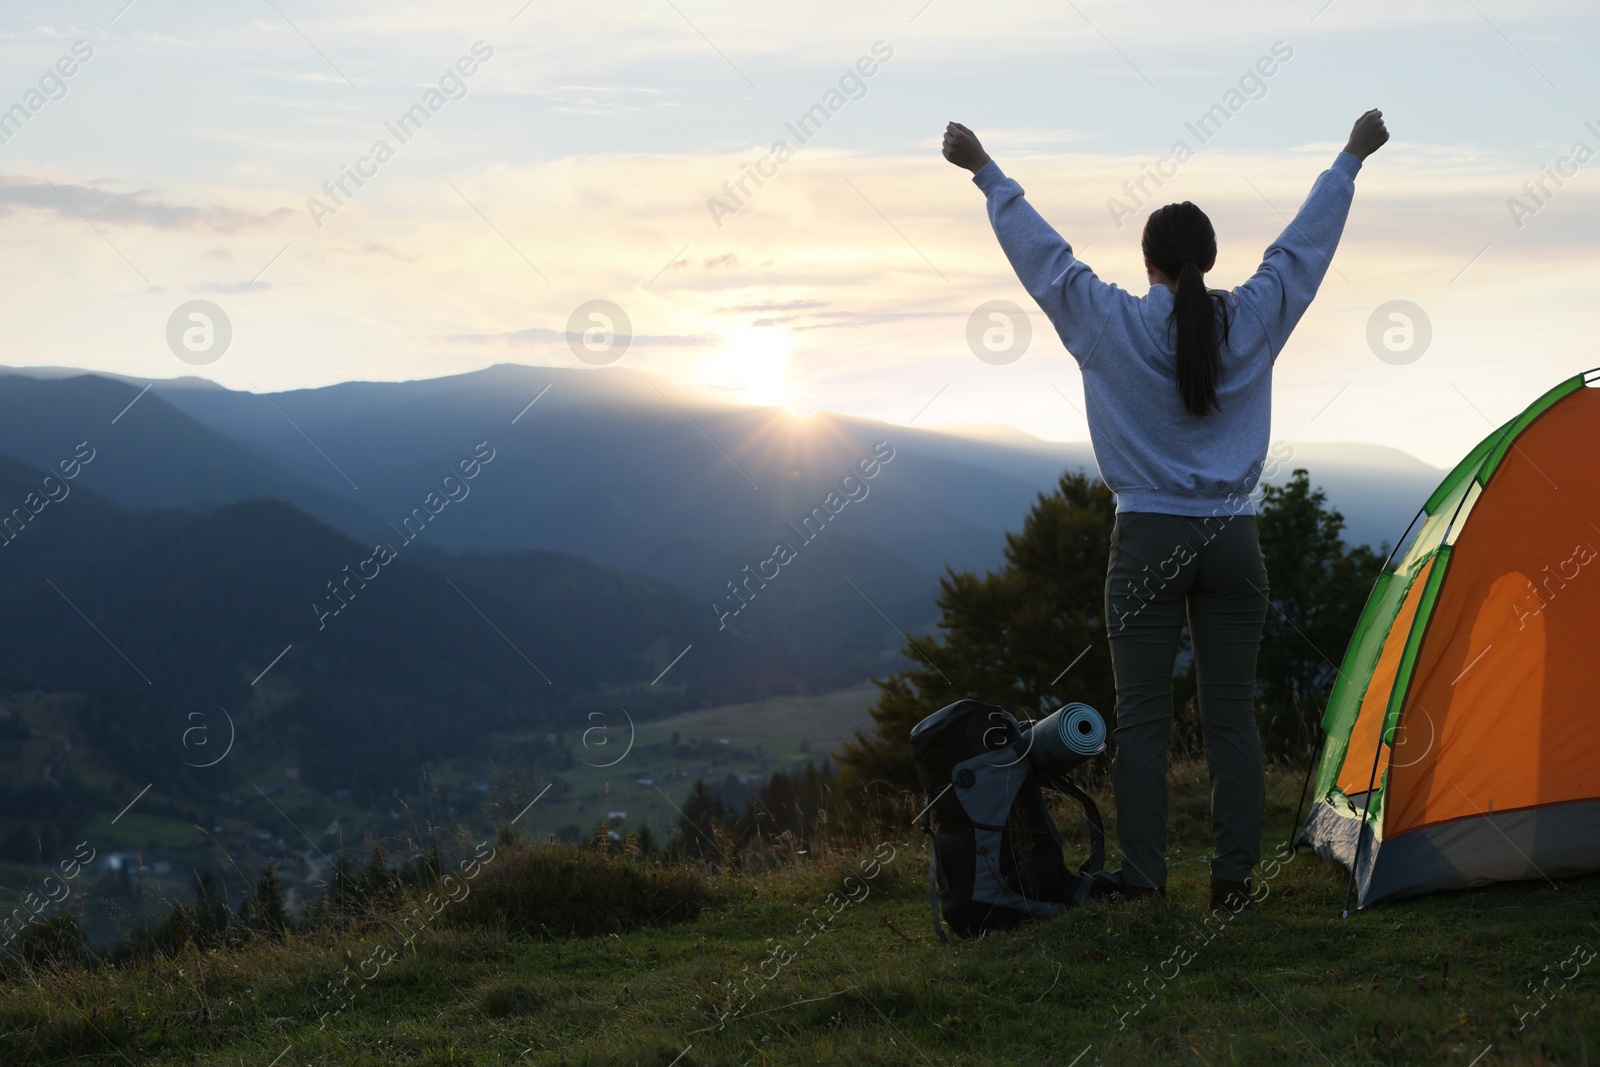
{"x": 1437, "y": 979}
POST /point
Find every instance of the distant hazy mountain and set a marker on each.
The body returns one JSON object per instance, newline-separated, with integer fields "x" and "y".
{"x": 1377, "y": 489}
{"x": 160, "y": 614}
{"x": 150, "y": 455}
{"x": 621, "y": 467}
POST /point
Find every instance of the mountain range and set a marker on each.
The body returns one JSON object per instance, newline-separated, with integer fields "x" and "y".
{"x": 611, "y": 464}
{"x": 506, "y": 549}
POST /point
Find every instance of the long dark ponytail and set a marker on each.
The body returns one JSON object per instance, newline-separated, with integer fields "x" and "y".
{"x": 1180, "y": 242}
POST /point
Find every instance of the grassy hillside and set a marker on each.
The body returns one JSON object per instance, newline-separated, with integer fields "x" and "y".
{"x": 1442, "y": 979}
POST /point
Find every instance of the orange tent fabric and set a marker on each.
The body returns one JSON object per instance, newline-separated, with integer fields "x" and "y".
{"x": 1507, "y": 675}
{"x": 1463, "y": 736}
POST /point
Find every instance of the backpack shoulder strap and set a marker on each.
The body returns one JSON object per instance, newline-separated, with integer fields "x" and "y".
{"x": 933, "y": 874}
{"x": 933, "y": 894}
{"x": 1091, "y": 812}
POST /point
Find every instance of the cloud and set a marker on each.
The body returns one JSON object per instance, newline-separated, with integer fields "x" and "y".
{"x": 539, "y": 335}
{"x": 134, "y": 209}
{"x": 374, "y": 248}
{"x": 232, "y": 287}
{"x": 838, "y": 319}
{"x": 613, "y": 100}
{"x": 1025, "y": 139}
{"x": 784, "y": 305}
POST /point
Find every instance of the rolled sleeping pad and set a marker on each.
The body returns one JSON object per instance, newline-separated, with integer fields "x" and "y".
{"x": 1071, "y": 735}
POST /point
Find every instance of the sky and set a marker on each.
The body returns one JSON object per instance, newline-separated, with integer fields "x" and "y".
{"x": 591, "y": 154}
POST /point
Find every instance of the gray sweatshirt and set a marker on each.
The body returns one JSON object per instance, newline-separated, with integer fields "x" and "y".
{"x": 1153, "y": 454}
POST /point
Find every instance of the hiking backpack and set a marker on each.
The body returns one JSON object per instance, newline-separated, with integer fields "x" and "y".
{"x": 996, "y": 852}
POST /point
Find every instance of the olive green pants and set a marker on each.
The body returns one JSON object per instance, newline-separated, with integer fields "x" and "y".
{"x": 1161, "y": 568}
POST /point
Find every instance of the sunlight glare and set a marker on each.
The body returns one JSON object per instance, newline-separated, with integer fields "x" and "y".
{"x": 749, "y": 368}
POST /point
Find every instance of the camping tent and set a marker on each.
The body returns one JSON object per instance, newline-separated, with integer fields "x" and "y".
{"x": 1463, "y": 730}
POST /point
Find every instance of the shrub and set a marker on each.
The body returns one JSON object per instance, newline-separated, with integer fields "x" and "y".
{"x": 563, "y": 889}
{"x": 55, "y": 940}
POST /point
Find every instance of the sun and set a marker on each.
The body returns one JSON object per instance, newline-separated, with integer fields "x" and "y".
{"x": 750, "y": 366}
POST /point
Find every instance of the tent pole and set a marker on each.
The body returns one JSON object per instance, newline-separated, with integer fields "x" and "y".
{"x": 1366, "y": 815}
{"x": 1294, "y": 830}
{"x": 1420, "y": 512}
{"x": 1366, "y": 812}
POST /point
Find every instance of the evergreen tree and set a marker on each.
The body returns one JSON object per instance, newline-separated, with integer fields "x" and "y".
{"x": 790, "y": 802}
{"x": 211, "y": 914}
{"x": 1029, "y": 637}
{"x": 343, "y": 898}
{"x": 377, "y": 883}
{"x": 704, "y": 814}
{"x": 1318, "y": 588}
{"x": 267, "y": 907}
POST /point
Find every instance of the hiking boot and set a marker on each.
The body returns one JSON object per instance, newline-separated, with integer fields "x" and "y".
{"x": 1141, "y": 892}
{"x": 1229, "y": 896}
